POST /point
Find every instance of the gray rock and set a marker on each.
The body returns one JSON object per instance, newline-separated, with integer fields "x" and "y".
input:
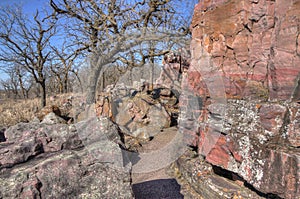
{"x": 198, "y": 180}
{"x": 138, "y": 116}
{"x": 52, "y": 118}
{"x": 60, "y": 161}
{"x": 159, "y": 117}
{"x": 35, "y": 120}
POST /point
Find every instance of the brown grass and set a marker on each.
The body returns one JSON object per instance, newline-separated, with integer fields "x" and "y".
{"x": 16, "y": 111}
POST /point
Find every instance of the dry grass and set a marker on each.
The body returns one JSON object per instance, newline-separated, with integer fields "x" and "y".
{"x": 16, "y": 111}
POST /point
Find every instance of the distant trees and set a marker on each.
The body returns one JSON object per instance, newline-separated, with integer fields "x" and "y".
{"x": 32, "y": 52}
{"x": 117, "y": 32}
{"x": 18, "y": 82}
{"x": 26, "y": 43}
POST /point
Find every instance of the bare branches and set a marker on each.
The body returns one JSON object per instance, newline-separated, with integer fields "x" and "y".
{"x": 112, "y": 31}
{"x": 62, "y": 64}
{"x": 26, "y": 42}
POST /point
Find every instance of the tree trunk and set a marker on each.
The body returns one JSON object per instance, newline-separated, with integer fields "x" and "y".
{"x": 151, "y": 74}
{"x": 16, "y": 93}
{"x": 151, "y": 70}
{"x": 15, "y": 90}
{"x": 79, "y": 80}
{"x": 66, "y": 84}
{"x": 61, "y": 86}
{"x": 43, "y": 97}
{"x": 27, "y": 93}
{"x": 102, "y": 77}
{"x": 22, "y": 87}
{"x": 92, "y": 86}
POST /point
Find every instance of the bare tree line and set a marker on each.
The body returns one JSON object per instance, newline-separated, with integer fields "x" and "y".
{"x": 48, "y": 49}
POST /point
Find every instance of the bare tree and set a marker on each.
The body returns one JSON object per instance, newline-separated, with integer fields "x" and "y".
{"x": 63, "y": 63}
{"x": 10, "y": 86}
{"x": 115, "y": 31}
{"x": 18, "y": 80}
{"x": 26, "y": 42}
{"x": 7, "y": 87}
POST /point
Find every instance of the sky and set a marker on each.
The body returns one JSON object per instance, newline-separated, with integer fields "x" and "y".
{"x": 29, "y": 6}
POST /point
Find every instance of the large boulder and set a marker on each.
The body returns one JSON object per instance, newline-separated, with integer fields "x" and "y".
{"x": 60, "y": 161}
{"x": 198, "y": 179}
{"x": 142, "y": 114}
{"x": 52, "y": 118}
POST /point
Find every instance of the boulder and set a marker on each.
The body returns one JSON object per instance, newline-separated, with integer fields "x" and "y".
{"x": 48, "y": 109}
{"x": 198, "y": 179}
{"x": 256, "y": 141}
{"x": 60, "y": 161}
{"x": 52, "y": 118}
{"x": 142, "y": 114}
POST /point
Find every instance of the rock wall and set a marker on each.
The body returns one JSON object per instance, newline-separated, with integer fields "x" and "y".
{"x": 254, "y": 43}
{"x": 245, "y": 69}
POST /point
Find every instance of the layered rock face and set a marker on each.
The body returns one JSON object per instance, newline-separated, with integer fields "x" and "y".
{"x": 244, "y": 76}
{"x": 255, "y": 45}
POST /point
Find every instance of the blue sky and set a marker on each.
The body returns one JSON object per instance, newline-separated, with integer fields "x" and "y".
{"x": 30, "y": 7}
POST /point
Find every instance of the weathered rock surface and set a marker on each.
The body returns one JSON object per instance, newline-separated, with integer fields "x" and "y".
{"x": 60, "y": 161}
{"x": 139, "y": 112}
{"x": 52, "y": 118}
{"x": 252, "y": 43}
{"x": 174, "y": 64}
{"x": 48, "y": 109}
{"x": 257, "y": 146}
{"x": 245, "y": 71}
{"x": 199, "y": 180}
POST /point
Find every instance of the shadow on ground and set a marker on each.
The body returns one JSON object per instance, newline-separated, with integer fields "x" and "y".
{"x": 157, "y": 189}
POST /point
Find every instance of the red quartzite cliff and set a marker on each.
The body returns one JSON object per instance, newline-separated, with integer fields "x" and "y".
{"x": 245, "y": 68}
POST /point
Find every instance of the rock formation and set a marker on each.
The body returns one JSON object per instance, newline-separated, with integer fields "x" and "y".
{"x": 236, "y": 102}
{"x": 82, "y": 160}
{"x": 244, "y": 72}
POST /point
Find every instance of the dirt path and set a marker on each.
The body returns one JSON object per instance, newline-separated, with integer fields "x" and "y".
{"x": 156, "y": 184}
